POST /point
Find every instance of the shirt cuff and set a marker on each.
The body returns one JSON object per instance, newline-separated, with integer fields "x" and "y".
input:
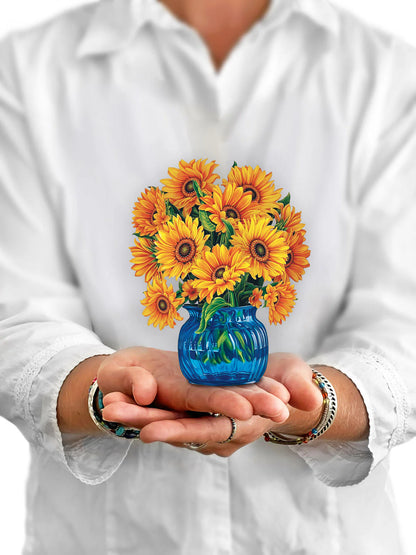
{"x": 91, "y": 459}
{"x": 386, "y": 400}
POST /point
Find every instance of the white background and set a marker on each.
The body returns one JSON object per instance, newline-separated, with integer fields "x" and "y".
{"x": 399, "y": 18}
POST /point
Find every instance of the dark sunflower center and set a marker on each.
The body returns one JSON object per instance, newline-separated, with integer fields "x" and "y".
{"x": 219, "y": 272}
{"x": 289, "y": 258}
{"x": 185, "y": 250}
{"x": 188, "y": 188}
{"x": 254, "y": 193}
{"x": 231, "y": 212}
{"x": 163, "y": 305}
{"x": 259, "y": 250}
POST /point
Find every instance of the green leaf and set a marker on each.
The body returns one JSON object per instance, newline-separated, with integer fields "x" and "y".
{"x": 286, "y": 200}
{"x": 144, "y": 236}
{"x": 240, "y": 287}
{"x": 179, "y": 291}
{"x": 240, "y": 355}
{"x": 198, "y": 189}
{"x": 172, "y": 210}
{"x": 281, "y": 225}
{"x": 195, "y": 212}
{"x": 209, "y": 242}
{"x": 208, "y": 311}
{"x": 240, "y": 338}
{"x": 235, "y": 164}
{"x": 224, "y": 356}
{"x": 226, "y": 237}
{"x": 225, "y": 339}
{"x": 206, "y": 222}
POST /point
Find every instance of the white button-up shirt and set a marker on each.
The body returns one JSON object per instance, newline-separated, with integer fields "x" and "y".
{"x": 95, "y": 105}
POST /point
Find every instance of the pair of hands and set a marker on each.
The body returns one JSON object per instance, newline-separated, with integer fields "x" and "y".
{"x": 144, "y": 388}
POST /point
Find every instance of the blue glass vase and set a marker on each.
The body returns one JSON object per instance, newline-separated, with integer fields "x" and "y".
{"x": 233, "y": 350}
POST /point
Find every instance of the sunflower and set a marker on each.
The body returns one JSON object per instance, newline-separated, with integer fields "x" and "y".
{"x": 161, "y": 304}
{"x": 290, "y": 219}
{"x": 297, "y": 255}
{"x": 218, "y": 270}
{"x": 144, "y": 260}
{"x": 180, "y": 188}
{"x": 263, "y": 246}
{"x": 280, "y": 299}
{"x": 231, "y": 204}
{"x": 256, "y": 297}
{"x": 189, "y": 290}
{"x": 149, "y": 213}
{"x": 178, "y": 245}
{"x": 258, "y": 183}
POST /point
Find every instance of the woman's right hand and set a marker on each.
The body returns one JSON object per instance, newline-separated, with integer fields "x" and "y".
{"x": 141, "y": 385}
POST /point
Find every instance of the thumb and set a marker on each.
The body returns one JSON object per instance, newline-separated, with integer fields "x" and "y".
{"x": 304, "y": 393}
{"x": 134, "y": 381}
{"x": 296, "y": 375}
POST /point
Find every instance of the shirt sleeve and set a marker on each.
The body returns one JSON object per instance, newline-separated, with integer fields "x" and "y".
{"x": 373, "y": 340}
{"x": 45, "y": 329}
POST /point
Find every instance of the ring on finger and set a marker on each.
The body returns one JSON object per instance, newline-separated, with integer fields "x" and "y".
{"x": 194, "y": 446}
{"x": 233, "y": 427}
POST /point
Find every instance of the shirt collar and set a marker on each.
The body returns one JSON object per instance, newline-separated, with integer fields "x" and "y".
{"x": 114, "y": 23}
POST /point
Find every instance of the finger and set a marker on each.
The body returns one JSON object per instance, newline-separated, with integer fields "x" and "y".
{"x": 181, "y": 395}
{"x": 133, "y": 381}
{"x": 187, "y": 430}
{"x": 266, "y": 403}
{"x": 117, "y": 397}
{"x": 240, "y": 402}
{"x": 275, "y": 388}
{"x": 296, "y": 375}
{"x": 130, "y": 414}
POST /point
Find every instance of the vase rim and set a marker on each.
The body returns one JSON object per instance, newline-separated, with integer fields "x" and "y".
{"x": 199, "y": 307}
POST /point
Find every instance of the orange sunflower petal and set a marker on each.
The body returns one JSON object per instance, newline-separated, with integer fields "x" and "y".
{"x": 280, "y": 299}
{"x": 297, "y": 256}
{"x": 144, "y": 261}
{"x": 260, "y": 185}
{"x": 178, "y": 245}
{"x": 232, "y": 204}
{"x": 149, "y": 213}
{"x": 179, "y": 188}
{"x": 161, "y": 304}
{"x": 263, "y": 246}
{"x": 218, "y": 270}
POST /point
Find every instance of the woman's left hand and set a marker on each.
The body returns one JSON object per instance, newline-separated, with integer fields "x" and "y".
{"x": 297, "y": 417}
{"x": 208, "y": 434}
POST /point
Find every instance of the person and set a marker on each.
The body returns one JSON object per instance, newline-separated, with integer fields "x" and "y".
{"x": 95, "y": 105}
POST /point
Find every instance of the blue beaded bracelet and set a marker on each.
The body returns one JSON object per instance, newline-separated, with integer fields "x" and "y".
{"x": 329, "y": 410}
{"x": 95, "y": 398}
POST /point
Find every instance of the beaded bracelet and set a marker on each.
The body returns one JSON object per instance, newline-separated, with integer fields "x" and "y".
{"x": 95, "y": 398}
{"x": 329, "y": 410}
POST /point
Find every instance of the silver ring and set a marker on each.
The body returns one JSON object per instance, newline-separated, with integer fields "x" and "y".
{"x": 233, "y": 428}
{"x": 194, "y": 446}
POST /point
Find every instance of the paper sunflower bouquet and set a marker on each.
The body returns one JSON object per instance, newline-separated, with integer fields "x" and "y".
{"x": 221, "y": 252}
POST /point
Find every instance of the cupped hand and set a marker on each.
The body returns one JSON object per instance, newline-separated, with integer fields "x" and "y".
{"x": 211, "y": 433}
{"x": 143, "y": 385}
{"x": 300, "y": 415}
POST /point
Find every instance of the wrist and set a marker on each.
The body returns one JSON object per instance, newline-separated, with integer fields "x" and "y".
{"x": 299, "y": 422}
{"x": 326, "y": 418}
{"x": 72, "y": 406}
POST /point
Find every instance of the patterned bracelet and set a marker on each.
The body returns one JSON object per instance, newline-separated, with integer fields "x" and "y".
{"x": 329, "y": 410}
{"x": 95, "y": 399}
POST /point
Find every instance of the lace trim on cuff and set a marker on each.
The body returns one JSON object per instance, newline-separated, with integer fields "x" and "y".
{"x": 23, "y": 386}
